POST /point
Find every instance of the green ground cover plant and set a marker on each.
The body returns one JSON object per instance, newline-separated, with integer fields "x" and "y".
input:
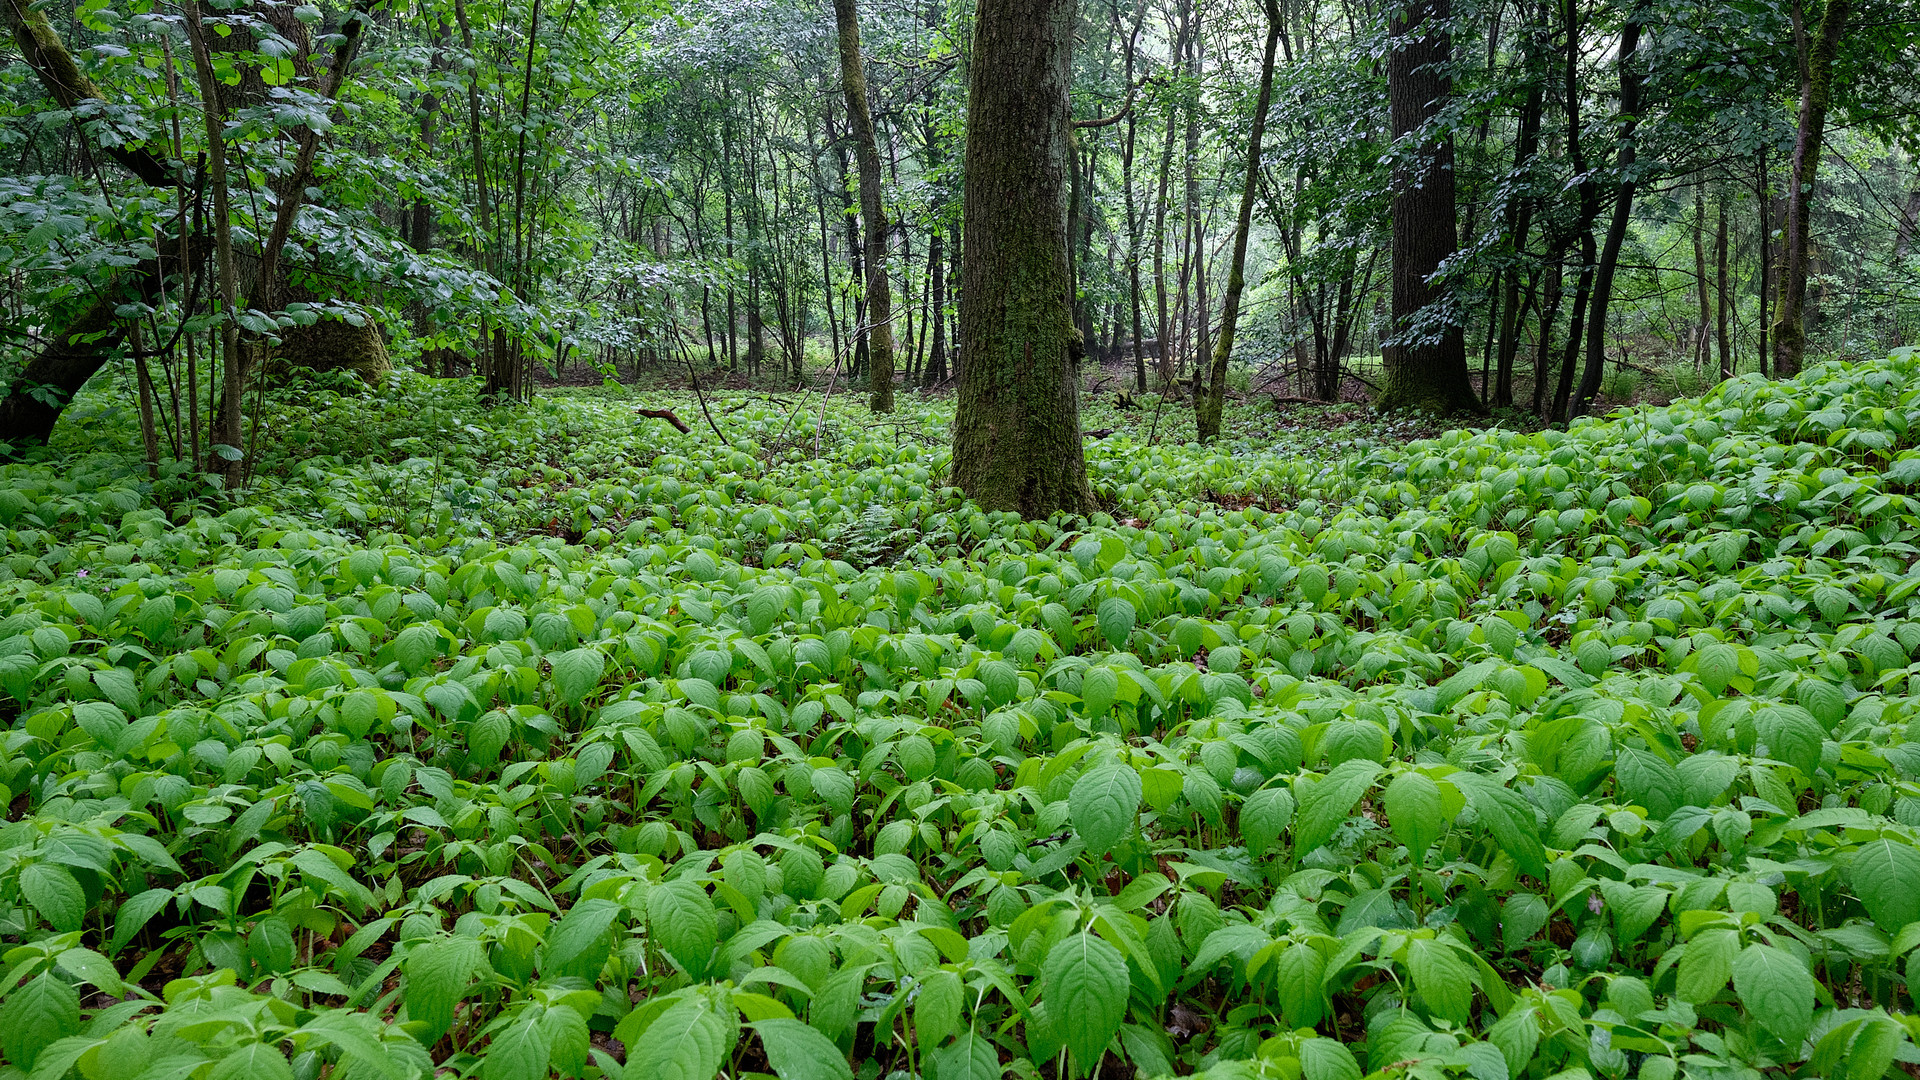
{"x": 550, "y": 741}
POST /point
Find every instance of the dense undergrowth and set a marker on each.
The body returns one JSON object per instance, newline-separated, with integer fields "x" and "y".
{"x": 509, "y": 743}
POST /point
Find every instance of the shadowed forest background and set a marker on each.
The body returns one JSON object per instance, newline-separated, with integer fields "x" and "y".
{"x": 1596, "y": 197}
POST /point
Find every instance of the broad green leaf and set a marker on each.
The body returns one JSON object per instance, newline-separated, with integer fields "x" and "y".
{"x": 681, "y": 919}
{"x": 438, "y": 974}
{"x": 1084, "y": 983}
{"x": 1444, "y": 980}
{"x": 798, "y": 1052}
{"x": 1706, "y": 964}
{"x": 1116, "y": 618}
{"x": 576, "y": 671}
{"x": 1886, "y": 877}
{"x": 1413, "y": 809}
{"x": 54, "y": 894}
{"x": 1777, "y": 989}
{"x": 521, "y": 1047}
{"x": 35, "y": 1015}
{"x": 253, "y": 1061}
{"x": 1103, "y": 804}
{"x": 686, "y": 1042}
{"x": 970, "y": 1057}
{"x": 1264, "y": 816}
{"x": 1327, "y": 804}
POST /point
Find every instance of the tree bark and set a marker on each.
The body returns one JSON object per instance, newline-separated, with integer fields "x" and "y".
{"x": 1426, "y": 364}
{"x": 1721, "y": 291}
{"x": 1816, "y": 87}
{"x": 1624, "y": 190}
{"x": 1519, "y": 224}
{"x": 1702, "y": 347}
{"x": 1216, "y": 392}
{"x": 853, "y": 81}
{"x": 1016, "y": 436}
{"x": 226, "y": 438}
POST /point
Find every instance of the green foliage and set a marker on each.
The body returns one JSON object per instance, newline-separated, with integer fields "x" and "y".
{"x": 1490, "y": 755}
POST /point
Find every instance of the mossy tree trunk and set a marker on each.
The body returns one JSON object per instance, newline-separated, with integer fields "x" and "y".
{"x": 1016, "y": 437}
{"x": 879, "y": 333}
{"x": 1426, "y": 364}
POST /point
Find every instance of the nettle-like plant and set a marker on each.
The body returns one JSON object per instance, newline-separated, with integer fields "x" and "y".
{"x": 539, "y": 745}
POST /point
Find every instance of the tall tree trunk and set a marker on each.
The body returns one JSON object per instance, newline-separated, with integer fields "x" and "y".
{"x": 1520, "y": 219}
{"x": 853, "y": 81}
{"x": 1016, "y": 435}
{"x": 1216, "y": 396}
{"x": 1622, "y": 215}
{"x": 1763, "y": 197}
{"x": 1721, "y": 292}
{"x": 1702, "y": 341}
{"x": 1133, "y": 213}
{"x": 1551, "y": 291}
{"x": 1194, "y": 267}
{"x": 1816, "y": 87}
{"x": 1589, "y": 212}
{"x": 227, "y": 438}
{"x": 1163, "y": 327}
{"x": 1426, "y": 365}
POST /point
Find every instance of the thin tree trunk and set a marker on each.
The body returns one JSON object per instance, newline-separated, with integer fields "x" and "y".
{"x": 1789, "y": 320}
{"x": 1216, "y": 395}
{"x": 1721, "y": 291}
{"x": 1762, "y": 196}
{"x": 1622, "y": 214}
{"x": 1164, "y": 327}
{"x": 879, "y": 334}
{"x": 1132, "y": 211}
{"x": 226, "y": 438}
{"x": 1543, "y": 339}
{"x": 1702, "y": 341}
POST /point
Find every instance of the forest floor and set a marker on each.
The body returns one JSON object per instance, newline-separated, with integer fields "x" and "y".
{"x": 467, "y": 735}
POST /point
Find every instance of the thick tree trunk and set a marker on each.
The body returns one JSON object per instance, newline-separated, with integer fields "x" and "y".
{"x": 1623, "y": 194}
{"x": 1789, "y": 319}
{"x": 879, "y": 335}
{"x": 1426, "y": 364}
{"x": 44, "y": 52}
{"x": 1216, "y": 392}
{"x": 1016, "y": 436}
